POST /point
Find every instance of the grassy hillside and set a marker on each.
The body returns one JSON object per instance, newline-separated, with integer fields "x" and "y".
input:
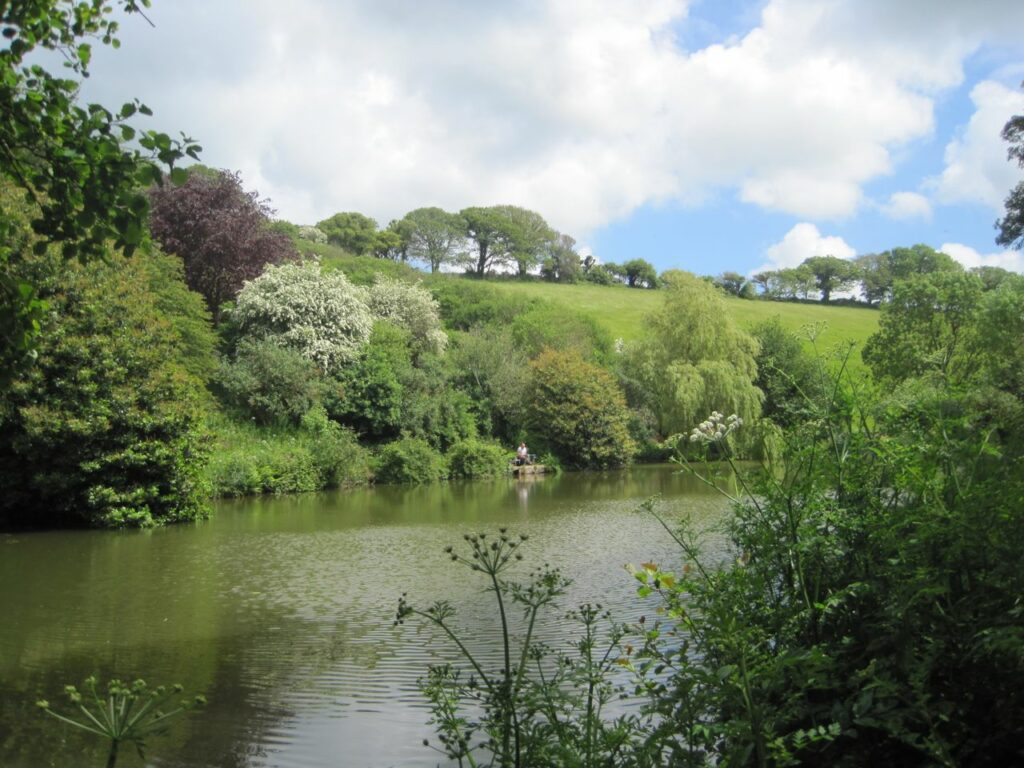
{"x": 622, "y": 310}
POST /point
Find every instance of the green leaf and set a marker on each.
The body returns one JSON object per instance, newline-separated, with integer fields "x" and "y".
{"x": 179, "y": 176}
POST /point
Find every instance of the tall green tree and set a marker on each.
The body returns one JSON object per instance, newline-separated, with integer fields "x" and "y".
{"x": 531, "y": 236}
{"x": 353, "y": 231}
{"x": 561, "y": 262}
{"x": 694, "y": 359}
{"x": 1011, "y": 226}
{"x": 68, "y": 158}
{"x": 493, "y": 235}
{"x": 435, "y": 236}
{"x": 928, "y": 328}
{"x": 640, "y": 274}
{"x": 831, "y": 274}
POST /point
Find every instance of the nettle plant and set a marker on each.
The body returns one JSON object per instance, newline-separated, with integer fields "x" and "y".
{"x": 540, "y": 705}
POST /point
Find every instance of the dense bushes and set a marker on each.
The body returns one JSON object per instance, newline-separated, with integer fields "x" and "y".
{"x": 578, "y": 409}
{"x": 105, "y": 428}
{"x": 476, "y": 458}
{"x": 320, "y": 454}
{"x": 272, "y": 384}
{"x": 410, "y": 460}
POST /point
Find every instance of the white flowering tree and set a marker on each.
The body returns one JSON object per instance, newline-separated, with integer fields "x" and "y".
{"x": 411, "y": 307}
{"x": 320, "y": 315}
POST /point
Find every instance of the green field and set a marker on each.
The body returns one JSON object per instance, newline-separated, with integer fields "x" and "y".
{"x": 622, "y": 310}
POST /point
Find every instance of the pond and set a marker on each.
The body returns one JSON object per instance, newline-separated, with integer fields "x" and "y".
{"x": 280, "y": 611}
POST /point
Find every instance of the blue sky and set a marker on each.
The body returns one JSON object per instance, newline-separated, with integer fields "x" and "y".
{"x": 702, "y": 134}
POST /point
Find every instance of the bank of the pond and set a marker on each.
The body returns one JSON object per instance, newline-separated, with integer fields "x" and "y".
{"x": 279, "y": 609}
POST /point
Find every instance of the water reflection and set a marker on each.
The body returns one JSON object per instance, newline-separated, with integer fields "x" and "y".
{"x": 280, "y": 610}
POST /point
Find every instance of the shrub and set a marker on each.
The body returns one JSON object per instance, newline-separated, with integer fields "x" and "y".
{"x": 106, "y": 427}
{"x": 579, "y": 410}
{"x": 321, "y": 316}
{"x": 312, "y": 234}
{"x": 476, "y": 458}
{"x": 556, "y": 327}
{"x": 271, "y": 384}
{"x": 409, "y": 306}
{"x": 466, "y": 303}
{"x": 410, "y": 460}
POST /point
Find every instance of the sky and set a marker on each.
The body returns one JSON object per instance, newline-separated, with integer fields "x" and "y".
{"x": 706, "y": 135}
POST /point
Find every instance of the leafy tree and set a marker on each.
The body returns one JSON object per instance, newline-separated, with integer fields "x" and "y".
{"x": 495, "y": 374}
{"x": 640, "y": 274}
{"x": 794, "y": 283}
{"x": 312, "y": 234}
{"x": 477, "y": 458}
{"x": 1000, "y": 334}
{"x": 599, "y": 274}
{"x": 991, "y": 277}
{"x": 875, "y": 277}
{"x": 493, "y": 233}
{"x": 106, "y": 428}
{"x": 579, "y": 410}
{"x": 67, "y": 158}
{"x": 765, "y": 280}
{"x": 220, "y": 231}
{"x": 321, "y": 315}
{"x": 1011, "y": 226}
{"x": 435, "y": 236}
{"x": 561, "y": 263}
{"x": 530, "y": 236}
{"x": 786, "y": 374}
{"x": 354, "y": 232}
{"x": 465, "y": 304}
{"x": 831, "y": 274}
{"x": 919, "y": 259}
{"x": 272, "y": 384}
{"x": 927, "y": 328}
{"x": 732, "y": 283}
{"x": 369, "y": 393}
{"x": 694, "y": 359}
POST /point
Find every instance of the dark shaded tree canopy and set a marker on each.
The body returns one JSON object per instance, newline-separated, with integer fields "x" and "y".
{"x": 220, "y": 231}
{"x": 1011, "y": 226}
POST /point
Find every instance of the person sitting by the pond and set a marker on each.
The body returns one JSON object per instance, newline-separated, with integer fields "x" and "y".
{"x": 522, "y": 455}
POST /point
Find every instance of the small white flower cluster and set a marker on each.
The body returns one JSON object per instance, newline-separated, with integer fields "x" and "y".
{"x": 716, "y": 428}
{"x": 409, "y": 306}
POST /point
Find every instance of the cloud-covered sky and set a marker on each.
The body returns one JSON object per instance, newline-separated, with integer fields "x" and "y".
{"x": 700, "y": 134}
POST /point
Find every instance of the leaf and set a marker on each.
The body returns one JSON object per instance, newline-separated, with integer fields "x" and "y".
{"x": 179, "y": 176}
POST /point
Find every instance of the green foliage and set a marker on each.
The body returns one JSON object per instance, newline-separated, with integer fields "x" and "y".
{"x": 831, "y": 274}
{"x": 320, "y": 454}
{"x": 409, "y": 306}
{"x": 409, "y": 460}
{"x": 270, "y": 383}
{"x": 540, "y": 706}
{"x": 578, "y": 409}
{"x": 599, "y": 274}
{"x": 130, "y": 714}
{"x": 736, "y": 284}
{"x": 786, "y": 374}
{"x": 105, "y": 428}
{"x": 432, "y": 409}
{"x": 195, "y": 339}
{"x": 368, "y": 394}
{"x": 695, "y": 358}
{"x": 67, "y": 157}
{"x": 640, "y": 274}
{"x": 495, "y": 374}
{"x": 1011, "y": 226}
{"x": 436, "y": 237}
{"x": 872, "y": 616}
{"x": 554, "y": 326}
{"x": 561, "y": 263}
{"x": 320, "y": 315}
{"x": 477, "y": 458}
{"x": 466, "y": 304}
{"x": 352, "y": 231}
{"x": 927, "y": 327}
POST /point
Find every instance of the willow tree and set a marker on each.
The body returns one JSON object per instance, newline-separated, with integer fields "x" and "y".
{"x": 694, "y": 358}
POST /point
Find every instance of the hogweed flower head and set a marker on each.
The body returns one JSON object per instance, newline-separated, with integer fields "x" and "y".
{"x": 715, "y": 428}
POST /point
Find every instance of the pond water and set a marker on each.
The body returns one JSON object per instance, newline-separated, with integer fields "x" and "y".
{"x": 280, "y": 611}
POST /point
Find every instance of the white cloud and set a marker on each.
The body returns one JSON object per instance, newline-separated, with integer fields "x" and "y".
{"x": 907, "y": 205}
{"x": 977, "y": 170}
{"x": 581, "y": 109}
{"x": 801, "y": 242}
{"x": 969, "y": 257}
